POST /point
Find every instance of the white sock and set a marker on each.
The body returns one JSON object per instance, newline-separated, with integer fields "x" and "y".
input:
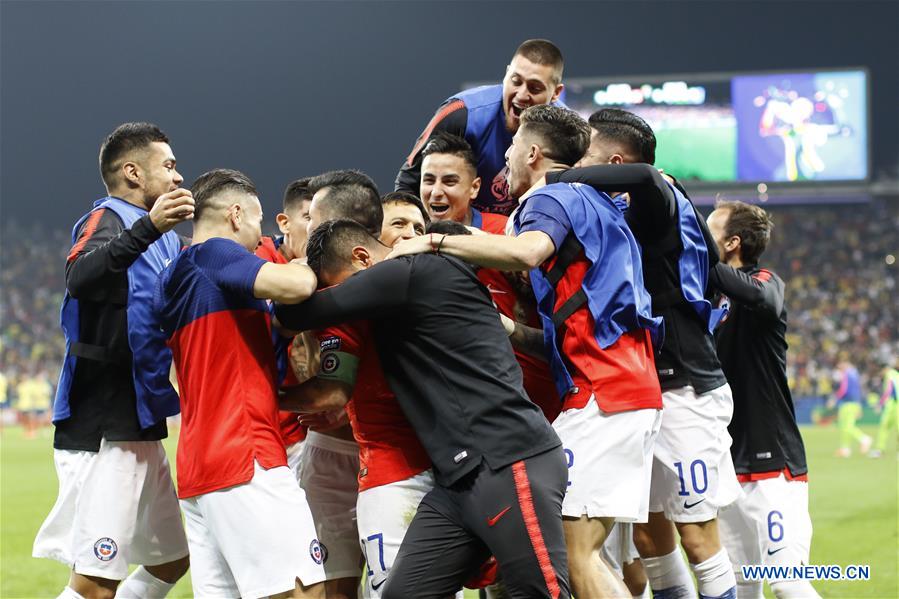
{"x": 69, "y": 593}
{"x": 715, "y": 576}
{"x": 669, "y": 572}
{"x": 143, "y": 585}
{"x": 793, "y": 589}
{"x": 750, "y": 589}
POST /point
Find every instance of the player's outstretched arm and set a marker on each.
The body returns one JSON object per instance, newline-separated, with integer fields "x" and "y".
{"x": 378, "y": 291}
{"x": 289, "y": 283}
{"x": 762, "y": 291}
{"x": 315, "y": 395}
{"x": 653, "y": 207}
{"x": 523, "y": 252}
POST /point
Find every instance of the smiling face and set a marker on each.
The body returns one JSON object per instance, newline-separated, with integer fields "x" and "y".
{"x": 157, "y": 165}
{"x": 526, "y": 84}
{"x": 401, "y": 221}
{"x": 448, "y": 185}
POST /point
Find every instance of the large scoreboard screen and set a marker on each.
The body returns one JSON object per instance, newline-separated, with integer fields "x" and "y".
{"x": 746, "y": 128}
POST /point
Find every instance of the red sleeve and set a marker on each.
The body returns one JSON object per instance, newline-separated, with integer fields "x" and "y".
{"x": 348, "y": 337}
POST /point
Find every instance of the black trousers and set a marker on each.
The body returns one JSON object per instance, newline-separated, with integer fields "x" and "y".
{"x": 514, "y": 513}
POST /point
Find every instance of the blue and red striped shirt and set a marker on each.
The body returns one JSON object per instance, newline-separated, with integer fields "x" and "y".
{"x": 221, "y": 340}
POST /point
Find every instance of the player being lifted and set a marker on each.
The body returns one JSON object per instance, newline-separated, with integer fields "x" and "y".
{"x": 488, "y": 116}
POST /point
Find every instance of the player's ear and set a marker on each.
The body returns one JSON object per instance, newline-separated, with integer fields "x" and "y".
{"x": 733, "y": 243}
{"x": 558, "y": 92}
{"x": 235, "y": 216}
{"x": 362, "y": 256}
{"x": 475, "y": 187}
{"x": 283, "y": 222}
{"x": 616, "y": 159}
{"x": 131, "y": 171}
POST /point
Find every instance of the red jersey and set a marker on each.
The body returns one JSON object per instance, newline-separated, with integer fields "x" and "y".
{"x": 221, "y": 341}
{"x": 623, "y": 376}
{"x": 389, "y": 450}
{"x": 291, "y": 429}
{"x": 538, "y": 381}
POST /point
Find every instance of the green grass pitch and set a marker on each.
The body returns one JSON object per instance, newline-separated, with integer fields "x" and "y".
{"x": 853, "y": 505}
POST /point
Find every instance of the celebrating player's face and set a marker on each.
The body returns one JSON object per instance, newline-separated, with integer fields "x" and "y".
{"x": 293, "y": 226}
{"x": 158, "y": 167}
{"x": 448, "y": 185}
{"x": 526, "y": 84}
{"x": 250, "y": 231}
{"x": 516, "y": 161}
{"x": 717, "y": 221}
{"x": 401, "y": 221}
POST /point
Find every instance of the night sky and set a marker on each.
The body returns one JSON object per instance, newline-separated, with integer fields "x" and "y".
{"x": 281, "y": 90}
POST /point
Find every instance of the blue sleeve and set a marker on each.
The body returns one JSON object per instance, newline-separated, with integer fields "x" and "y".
{"x": 231, "y": 266}
{"x": 542, "y": 212}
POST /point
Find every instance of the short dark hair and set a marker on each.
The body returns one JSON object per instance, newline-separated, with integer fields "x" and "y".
{"x": 351, "y": 194}
{"x": 405, "y": 197}
{"x": 751, "y": 224}
{"x": 625, "y": 127}
{"x": 212, "y": 183}
{"x": 329, "y": 246}
{"x": 543, "y": 52}
{"x": 125, "y": 139}
{"x": 295, "y": 194}
{"x": 447, "y": 143}
{"x": 448, "y": 227}
{"x": 565, "y": 136}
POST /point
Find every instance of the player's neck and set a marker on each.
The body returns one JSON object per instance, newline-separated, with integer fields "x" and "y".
{"x": 734, "y": 261}
{"x": 203, "y": 232}
{"x": 133, "y": 197}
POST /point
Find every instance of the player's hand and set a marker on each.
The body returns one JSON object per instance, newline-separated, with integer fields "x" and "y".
{"x": 172, "y": 208}
{"x": 415, "y": 245}
{"x": 508, "y": 324}
{"x": 325, "y": 421}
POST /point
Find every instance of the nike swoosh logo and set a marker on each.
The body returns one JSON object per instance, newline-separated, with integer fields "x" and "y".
{"x": 775, "y": 551}
{"x": 689, "y": 505}
{"x": 495, "y": 519}
{"x": 379, "y": 585}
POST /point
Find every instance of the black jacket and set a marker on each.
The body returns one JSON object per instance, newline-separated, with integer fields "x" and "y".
{"x": 102, "y": 397}
{"x": 446, "y": 357}
{"x": 752, "y": 346}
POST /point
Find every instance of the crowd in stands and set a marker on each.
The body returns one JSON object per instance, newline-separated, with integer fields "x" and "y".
{"x": 841, "y": 294}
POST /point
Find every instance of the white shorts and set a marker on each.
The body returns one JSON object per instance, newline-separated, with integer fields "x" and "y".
{"x": 618, "y": 549}
{"x": 252, "y": 540}
{"x": 385, "y": 513}
{"x": 328, "y": 475}
{"x": 769, "y": 524}
{"x": 609, "y": 461}
{"x": 115, "y": 507}
{"x": 693, "y": 473}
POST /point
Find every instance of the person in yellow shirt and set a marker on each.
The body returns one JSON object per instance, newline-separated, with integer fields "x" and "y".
{"x": 34, "y": 394}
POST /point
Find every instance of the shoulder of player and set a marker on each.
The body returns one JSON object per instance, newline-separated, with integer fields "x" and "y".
{"x": 100, "y": 220}
{"x": 763, "y": 275}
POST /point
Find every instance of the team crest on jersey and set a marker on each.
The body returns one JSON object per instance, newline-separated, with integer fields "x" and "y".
{"x": 724, "y": 304}
{"x": 318, "y": 551}
{"x": 331, "y": 343}
{"x": 330, "y": 363}
{"x": 500, "y": 186}
{"x": 105, "y": 549}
